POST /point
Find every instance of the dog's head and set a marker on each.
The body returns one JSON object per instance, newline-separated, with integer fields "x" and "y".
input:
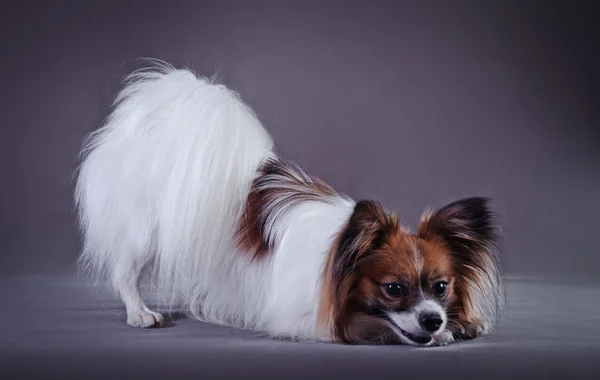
{"x": 383, "y": 284}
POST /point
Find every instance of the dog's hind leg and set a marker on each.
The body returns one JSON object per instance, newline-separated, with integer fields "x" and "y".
{"x": 126, "y": 279}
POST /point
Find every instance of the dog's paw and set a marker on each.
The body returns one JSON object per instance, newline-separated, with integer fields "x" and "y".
{"x": 145, "y": 319}
{"x": 476, "y": 330}
{"x": 444, "y": 338}
{"x": 472, "y": 330}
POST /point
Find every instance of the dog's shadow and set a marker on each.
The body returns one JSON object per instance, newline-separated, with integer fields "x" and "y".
{"x": 171, "y": 318}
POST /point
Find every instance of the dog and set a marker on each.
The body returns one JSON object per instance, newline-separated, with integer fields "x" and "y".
{"x": 182, "y": 185}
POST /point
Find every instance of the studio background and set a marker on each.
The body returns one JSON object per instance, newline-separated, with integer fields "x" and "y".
{"x": 412, "y": 103}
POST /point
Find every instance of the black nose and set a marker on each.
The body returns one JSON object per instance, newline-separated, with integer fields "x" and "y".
{"x": 431, "y": 321}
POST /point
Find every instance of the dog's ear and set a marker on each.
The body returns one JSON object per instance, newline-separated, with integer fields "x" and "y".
{"x": 468, "y": 229}
{"x": 467, "y": 226}
{"x": 367, "y": 228}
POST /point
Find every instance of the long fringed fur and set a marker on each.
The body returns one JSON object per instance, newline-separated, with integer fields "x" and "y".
{"x": 164, "y": 177}
{"x": 182, "y": 179}
{"x": 469, "y": 228}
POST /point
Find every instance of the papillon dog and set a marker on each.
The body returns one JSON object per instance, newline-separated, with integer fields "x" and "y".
{"x": 182, "y": 186}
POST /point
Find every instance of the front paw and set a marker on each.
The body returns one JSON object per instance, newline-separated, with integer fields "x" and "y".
{"x": 444, "y": 338}
{"x": 472, "y": 330}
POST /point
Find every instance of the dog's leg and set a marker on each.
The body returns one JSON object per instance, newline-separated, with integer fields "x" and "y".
{"x": 127, "y": 281}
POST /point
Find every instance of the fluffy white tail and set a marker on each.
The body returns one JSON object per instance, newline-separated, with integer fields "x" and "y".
{"x": 165, "y": 178}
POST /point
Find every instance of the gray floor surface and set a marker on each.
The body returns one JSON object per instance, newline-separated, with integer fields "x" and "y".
{"x": 59, "y": 328}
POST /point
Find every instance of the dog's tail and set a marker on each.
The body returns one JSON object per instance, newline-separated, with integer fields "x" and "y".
{"x": 165, "y": 178}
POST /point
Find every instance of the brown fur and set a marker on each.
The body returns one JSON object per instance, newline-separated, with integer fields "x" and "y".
{"x": 373, "y": 249}
{"x": 276, "y": 181}
{"x": 455, "y": 244}
{"x": 467, "y": 228}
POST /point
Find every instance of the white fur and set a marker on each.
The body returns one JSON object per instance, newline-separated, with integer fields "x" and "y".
{"x": 409, "y": 320}
{"x": 163, "y": 182}
{"x": 305, "y": 236}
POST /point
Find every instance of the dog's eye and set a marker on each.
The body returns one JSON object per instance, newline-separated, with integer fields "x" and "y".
{"x": 440, "y": 288}
{"x": 394, "y": 289}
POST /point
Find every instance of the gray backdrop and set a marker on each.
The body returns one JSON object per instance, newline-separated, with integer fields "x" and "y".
{"x": 410, "y": 103}
{"x": 413, "y": 103}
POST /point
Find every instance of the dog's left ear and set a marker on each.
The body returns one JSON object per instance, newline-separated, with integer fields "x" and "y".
{"x": 468, "y": 228}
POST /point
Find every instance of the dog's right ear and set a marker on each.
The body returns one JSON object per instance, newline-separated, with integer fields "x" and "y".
{"x": 367, "y": 228}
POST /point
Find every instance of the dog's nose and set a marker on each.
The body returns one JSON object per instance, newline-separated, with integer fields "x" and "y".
{"x": 431, "y": 321}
